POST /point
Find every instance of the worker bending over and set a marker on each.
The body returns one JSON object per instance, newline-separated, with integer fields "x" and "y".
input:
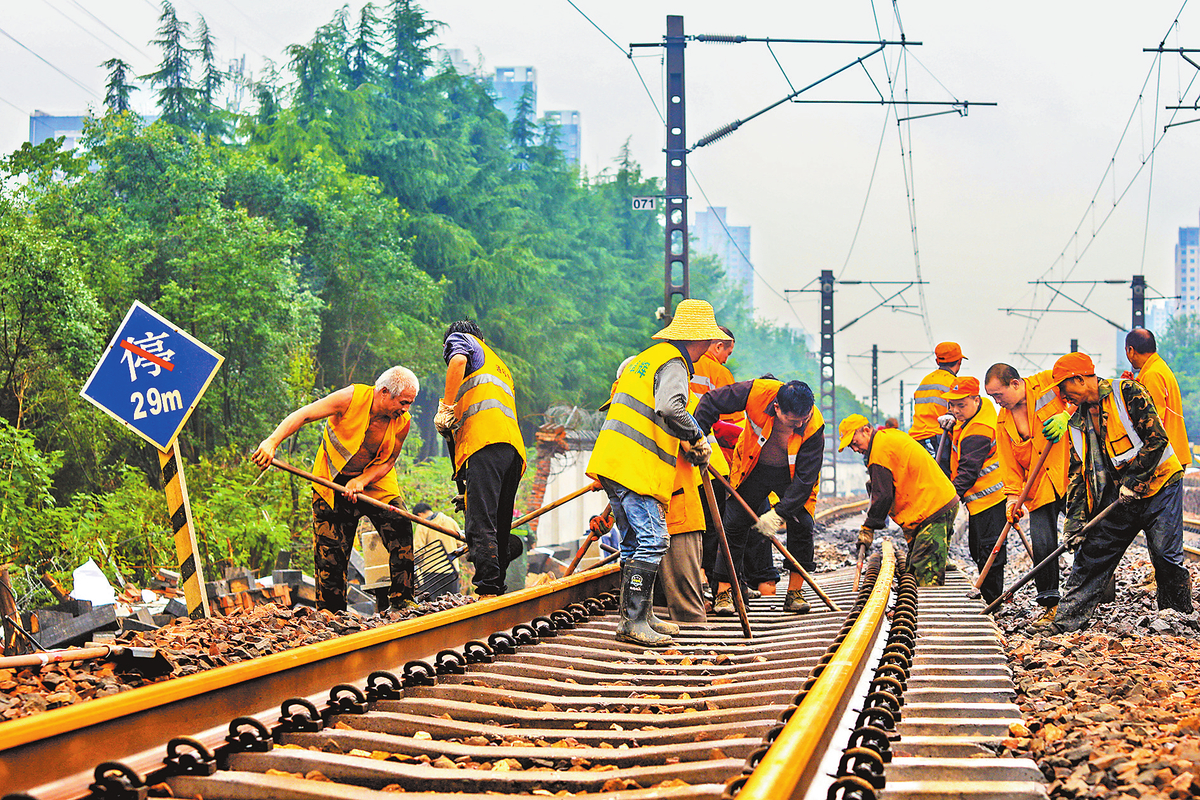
{"x": 908, "y": 485}
{"x": 779, "y": 450}
{"x": 928, "y": 403}
{"x": 635, "y": 458}
{"x": 358, "y": 450}
{"x": 975, "y": 475}
{"x": 1031, "y": 423}
{"x": 1119, "y": 453}
{"x": 478, "y": 416}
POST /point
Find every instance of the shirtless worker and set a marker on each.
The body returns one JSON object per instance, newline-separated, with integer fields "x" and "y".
{"x": 358, "y": 449}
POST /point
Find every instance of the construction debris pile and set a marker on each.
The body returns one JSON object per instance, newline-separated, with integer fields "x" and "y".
{"x": 1112, "y": 711}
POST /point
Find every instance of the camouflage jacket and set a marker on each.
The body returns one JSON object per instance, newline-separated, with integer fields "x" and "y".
{"x": 1135, "y": 474}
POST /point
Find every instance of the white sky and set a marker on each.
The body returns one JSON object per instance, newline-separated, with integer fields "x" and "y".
{"x": 998, "y": 193}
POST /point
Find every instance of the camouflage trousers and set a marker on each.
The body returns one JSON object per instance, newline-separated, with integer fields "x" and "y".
{"x": 927, "y": 546}
{"x": 333, "y": 538}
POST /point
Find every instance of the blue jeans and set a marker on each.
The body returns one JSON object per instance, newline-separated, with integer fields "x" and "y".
{"x": 640, "y": 522}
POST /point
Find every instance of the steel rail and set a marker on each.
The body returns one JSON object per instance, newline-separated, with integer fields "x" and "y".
{"x": 844, "y": 510}
{"x": 787, "y": 769}
{"x": 52, "y": 755}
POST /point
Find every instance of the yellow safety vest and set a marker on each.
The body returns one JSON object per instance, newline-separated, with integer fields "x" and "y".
{"x": 988, "y": 489}
{"x": 920, "y": 487}
{"x": 486, "y": 410}
{"x": 1122, "y": 444}
{"x": 634, "y": 447}
{"x": 928, "y": 404}
{"x": 342, "y": 438}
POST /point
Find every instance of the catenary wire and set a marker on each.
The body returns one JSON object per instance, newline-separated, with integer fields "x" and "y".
{"x": 73, "y": 80}
{"x": 77, "y": 4}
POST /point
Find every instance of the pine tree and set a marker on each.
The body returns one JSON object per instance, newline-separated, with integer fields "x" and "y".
{"x": 408, "y": 33}
{"x": 364, "y": 55}
{"x": 211, "y": 117}
{"x": 176, "y": 96}
{"x": 523, "y": 129}
{"x": 118, "y": 89}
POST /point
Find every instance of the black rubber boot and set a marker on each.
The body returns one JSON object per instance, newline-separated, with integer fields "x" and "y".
{"x": 637, "y": 593}
{"x": 1177, "y": 596}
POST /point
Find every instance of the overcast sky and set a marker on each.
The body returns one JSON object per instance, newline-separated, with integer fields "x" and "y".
{"x": 998, "y": 193}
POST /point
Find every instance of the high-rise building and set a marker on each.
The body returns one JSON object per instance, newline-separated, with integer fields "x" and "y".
{"x": 568, "y": 133}
{"x": 43, "y": 126}
{"x": 509, "y": 84}
{"x": 729, "y": 243}
{"x": 453, "y": 58}
{"x": 1187, "y": 289}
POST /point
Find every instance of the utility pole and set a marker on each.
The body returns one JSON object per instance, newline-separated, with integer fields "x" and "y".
{"x": 1074, "y": 346}
{"x": 874, "y": 384}
{"x": 1139, "y": 301}
{"x": 828, "y": 392}
{"x": 901, "y": 420}
{"x": 676, "y": 244}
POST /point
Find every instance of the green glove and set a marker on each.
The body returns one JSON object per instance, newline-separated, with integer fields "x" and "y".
{"x": 1054, "y": 428}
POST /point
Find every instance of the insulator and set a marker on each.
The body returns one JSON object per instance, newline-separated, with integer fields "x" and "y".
{"x": 720, "y": 38}
{"x": 718, "y": 134}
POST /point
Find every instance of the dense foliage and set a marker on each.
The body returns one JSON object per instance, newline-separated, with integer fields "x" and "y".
{"x": 369, "y": 199}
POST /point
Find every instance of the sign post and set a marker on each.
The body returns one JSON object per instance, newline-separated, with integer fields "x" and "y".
{"x": 149, "y": 379}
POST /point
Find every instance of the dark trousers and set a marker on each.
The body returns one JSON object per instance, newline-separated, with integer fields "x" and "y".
{"x": 754, "y": 490}
{"x": 712, "y": 547}
{"x": 492, "y": 474}
{"x": 983, "y": 529}
{"x": 1161, "y": 517}
{"x": 1043, "y": 535}
{"x": 932, "y": 444}
{"x": 333, "y": 538}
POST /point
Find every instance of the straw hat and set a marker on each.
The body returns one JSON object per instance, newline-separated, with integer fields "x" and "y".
{"x": 694, "y": 321}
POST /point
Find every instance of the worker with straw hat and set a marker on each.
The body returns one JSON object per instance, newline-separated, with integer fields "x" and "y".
{"x": 646, "y": 430}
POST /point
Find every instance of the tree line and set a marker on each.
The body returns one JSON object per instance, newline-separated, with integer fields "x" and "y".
{"x": 368, "y": 198}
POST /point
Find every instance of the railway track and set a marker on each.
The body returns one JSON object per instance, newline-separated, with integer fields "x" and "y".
{"x": 524, "y": 694}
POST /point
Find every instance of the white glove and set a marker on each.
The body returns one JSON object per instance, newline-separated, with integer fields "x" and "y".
{"x": 698, "y": 452}
{"x": 1127, "y": 495}
{"x": 769, "y": 523}
{"x": 444, "y": 420}
{"x": 947, "y": 421}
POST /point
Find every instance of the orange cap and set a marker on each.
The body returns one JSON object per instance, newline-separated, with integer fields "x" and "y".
{"x": 948, "y": 353}
{"x": 962, "y": 388}
{"x": 1072, "y": 365}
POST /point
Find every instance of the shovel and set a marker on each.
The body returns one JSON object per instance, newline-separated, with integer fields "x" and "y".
{"x": 1021, "y": 498}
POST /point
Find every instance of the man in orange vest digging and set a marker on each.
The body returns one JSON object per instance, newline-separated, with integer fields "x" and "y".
{"x": 359, "y": 446}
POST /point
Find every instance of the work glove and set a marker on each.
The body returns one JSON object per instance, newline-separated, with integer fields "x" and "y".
{"x": 698, "y": 452}
{"x": 947, "y": 422}
{"x": 866, "y": 536}
{"x": 1127, "y": 376}
{"x": 444, "y": 419}
{"x": 1073, "y": 537}
{"x": 1127, "y": 495}
{"x": 769, "y": 523}
{"x": 727, "y": 433}
{"x": 1012, "y": 511}
{"x": 459, "y": 501}
{"x": 601, "y": 525}
{"x": 1054, "y": 428}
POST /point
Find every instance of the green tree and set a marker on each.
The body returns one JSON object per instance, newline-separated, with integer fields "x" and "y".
{"x": 118, "y": 88}
{"x": 176, "y": 96}
{"x": 1179, "y": 346}
{"x": 212, "y": 118}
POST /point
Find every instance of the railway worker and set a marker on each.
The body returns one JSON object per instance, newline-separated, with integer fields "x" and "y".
{"x": 680, "y": 567}
{"x": 1119, "y": 453}
{"x": 1029, "y": 424}
{"x": 780, "y": 450}
{"x": 423, "y": 537}
{"x": 636, "y": 456}
{"x": 929, "y": 406}
{"x": 975, "y": 475}
{"x": 1159, "y": 381}
{"x": 358, "y": 449}
{"x": 906, "y": 484}
{"x": 478, "y": 417}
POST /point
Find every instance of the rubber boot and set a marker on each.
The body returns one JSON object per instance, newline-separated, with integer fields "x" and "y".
{"x": 660, "y": 625}
{"x": 1179, "y": 596}
{"x": 637, "y": 587}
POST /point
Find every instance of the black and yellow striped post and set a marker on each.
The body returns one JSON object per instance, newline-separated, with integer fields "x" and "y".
{"x": 191, "y": 575}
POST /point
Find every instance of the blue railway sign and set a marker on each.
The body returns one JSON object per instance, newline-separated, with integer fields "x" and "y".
{"x": 151, "y": 376}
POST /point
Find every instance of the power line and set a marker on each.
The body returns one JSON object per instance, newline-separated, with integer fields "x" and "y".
{"x": 106, "y": 27}
{"x": 78, "y": 83}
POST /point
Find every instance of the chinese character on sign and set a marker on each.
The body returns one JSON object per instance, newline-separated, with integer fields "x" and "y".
{"x": 147, "y": 353}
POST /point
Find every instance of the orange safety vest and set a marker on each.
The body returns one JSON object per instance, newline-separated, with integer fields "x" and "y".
{"x": 759, "y": 424}
{"x": 1160, "y": 382}
{"x": 928, "y": 404}
{"x": 1122, "y": 444}
{"x": 634, "y": 447}
{"x": 921, "y": 488}
{"x": 343, "y": 436}
{"x": 712, "y": 374}
{"x": 486, "y": 410}
{"x": 1018, "y": 455}
{"x": 685, "y": 512}
{"x": 988, "y": 489}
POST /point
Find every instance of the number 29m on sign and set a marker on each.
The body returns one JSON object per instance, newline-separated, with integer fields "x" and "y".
{"x": 155, "y": 402}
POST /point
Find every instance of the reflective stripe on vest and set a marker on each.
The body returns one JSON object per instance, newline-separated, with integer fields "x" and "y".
{"x": 1047, "y": 397}
{"x": 703, "y": 382}
{"x": 1127, "y": 424}
{"x": 342, "y": 441}
{"x": 485, "y": 405}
